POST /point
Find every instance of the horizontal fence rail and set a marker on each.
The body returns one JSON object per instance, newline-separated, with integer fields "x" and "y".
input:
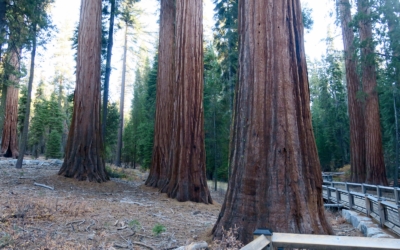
{"x": 379, "y": 202}
{"x": 311, "y": 241}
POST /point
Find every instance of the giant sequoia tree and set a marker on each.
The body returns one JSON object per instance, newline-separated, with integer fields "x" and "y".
{"x": 276, "y": 177}
{"x": 376, "y": 172}
{"x": 355, "y": 106}
{"x": 9, "y": 139}
{"x": 188, "y": 171}
{"x": 84, "y": 152}
{"x": 159, "y": 170}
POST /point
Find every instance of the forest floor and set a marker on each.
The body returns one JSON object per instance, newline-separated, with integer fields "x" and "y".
{"x": 122, "y": 213}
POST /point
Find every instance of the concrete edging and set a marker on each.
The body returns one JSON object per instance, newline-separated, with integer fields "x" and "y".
{"x": 365, "y": 224}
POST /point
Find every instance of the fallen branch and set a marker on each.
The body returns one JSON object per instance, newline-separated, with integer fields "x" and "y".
{"x": 77, "y": 221}
{"x": 134, "y": 243}
{"x": 42, "y": 185}
{"x": 87, "y": 229}
{"x": 142, "y": 244}
{"x": 120, "y": 245}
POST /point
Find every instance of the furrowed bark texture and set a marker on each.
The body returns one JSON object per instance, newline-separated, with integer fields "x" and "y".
{"x": 84, "y": 152}
{"x": 355, "y": 105}
{"x": 188, "y": 176}
{"x": 276, "y": 177}
{"x": 9, "y": 139}
{"x": 376, "y": 172}
{"x": 159, "y": 171}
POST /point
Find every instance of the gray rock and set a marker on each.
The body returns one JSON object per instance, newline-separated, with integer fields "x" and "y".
{"x": 194, "y": 246}
{"x": 365, "y": 224}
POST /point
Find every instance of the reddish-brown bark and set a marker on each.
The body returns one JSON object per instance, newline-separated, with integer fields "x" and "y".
{"x": 376, "y": 172}
{"x": 276, "y": 177}
{"x": 159, "y": 170}
{"x": 188, "y": 172}
{"x": 84, "y": 151}
{"x": 9, "y": 139}
{"x": 355, "y": 105}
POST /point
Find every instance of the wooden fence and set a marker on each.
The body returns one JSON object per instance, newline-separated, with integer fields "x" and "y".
{"x": 379, "y": 202}
{"x": 282, "y": 240}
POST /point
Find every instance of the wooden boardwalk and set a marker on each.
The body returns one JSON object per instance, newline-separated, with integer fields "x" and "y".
{"x": 378, "y": 202}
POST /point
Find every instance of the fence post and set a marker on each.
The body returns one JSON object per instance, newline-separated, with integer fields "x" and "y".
{"x": 337, "y": 196}
{"x": 346, "y": 186}
{"x": 350, "y": 200}
{"x": 381, "y": 214}
{"x": 378, "y": 192}
{"x": 398, "y": 212}
{"x": 367, "y": 206}
{"x": 328, "y": 191}
{"x": 396, "y": 195}
{"x": 364, "y": 189}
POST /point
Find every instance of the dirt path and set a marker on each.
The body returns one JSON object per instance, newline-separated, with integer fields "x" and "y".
{"x": 122, "y": 213}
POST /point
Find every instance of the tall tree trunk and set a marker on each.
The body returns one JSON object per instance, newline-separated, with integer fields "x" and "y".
{"x": 276, "y": 179}
{"x": 3, "y": 9}
{"x": 376, "y": 172}
{"x": 396, "y": 167}
{"x": 3, "y": 101}
{"x": 355, "y": 105}
{"x": 24, "y": 137}
{"x": 215, "y": 175}
{"x": 160, "y": 168}
{"x": 108, "y": 68}
{"x": 84, "y": 152}
{"x": 122, "y": 100}
{"x": 9, "y": 139}
{"x": 188, "y": 176}
{"x": 390, "y": 6}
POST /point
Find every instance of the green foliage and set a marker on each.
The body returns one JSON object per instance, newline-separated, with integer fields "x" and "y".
{"x": 110, "y": 140}
{"x": 329, "y": 110}
{"x": 139, "y": 131}
{"x": 226, "y": 40}
{"x": 158, "y": 229}
{"x": 47, "y": 118}
{"x": 6, "y": 240}
{"x": 22, "y": 107}
{"x": 134, "y": 224}
{"x": 217, "y": 117}
{"x": 308, "y": 22}
{"x": 53, "y": 146}
{"x": 387, "y": 34}
{"x": 114, "y": 173}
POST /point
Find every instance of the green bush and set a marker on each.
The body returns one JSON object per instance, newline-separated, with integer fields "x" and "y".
{"x": 114, "y": 174}
{"x": 53, "y": 147}
{"x": 158, "y": 229}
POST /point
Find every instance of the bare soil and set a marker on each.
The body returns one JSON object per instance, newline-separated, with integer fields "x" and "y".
{"x": 122, "y": 213}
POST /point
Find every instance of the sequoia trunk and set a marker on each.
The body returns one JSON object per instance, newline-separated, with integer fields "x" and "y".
{"x": 84, "y": 152}
{"x": 159, "y": 170}
{"x": 376, "y": 172}
{"x": 9, "y": 139}
{"x": 355, "y": 105}
{"x": 188, "y": 174}
{"x": 276, "y": 179}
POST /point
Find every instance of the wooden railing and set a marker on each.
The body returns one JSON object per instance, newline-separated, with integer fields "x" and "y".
{"x": 281, "y": 240}
{"x": 379, "y": 202}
